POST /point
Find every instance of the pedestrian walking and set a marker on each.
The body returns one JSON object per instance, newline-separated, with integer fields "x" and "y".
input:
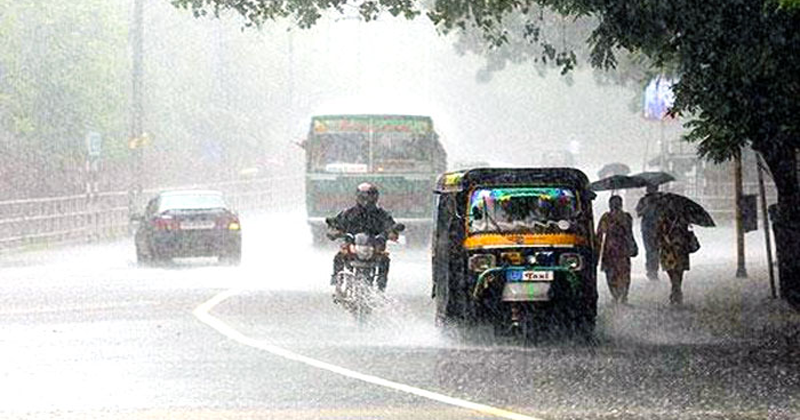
{"x": 617, "y": 246}
{"x": 675, "y": 243}
{"x": 647, "y": 208}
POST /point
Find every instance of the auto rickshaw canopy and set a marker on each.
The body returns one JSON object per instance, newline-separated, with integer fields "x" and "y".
{"x": 451, "y": 182}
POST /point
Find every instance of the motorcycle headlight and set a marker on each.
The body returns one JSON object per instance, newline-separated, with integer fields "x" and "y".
{"x": 364, "y": 252}
{"x": 571, "y": 261}
{"x": 481, "y": 262}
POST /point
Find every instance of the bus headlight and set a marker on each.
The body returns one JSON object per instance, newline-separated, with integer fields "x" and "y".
{"x": 481, "y": 262}
{"x": 571, "y": 261}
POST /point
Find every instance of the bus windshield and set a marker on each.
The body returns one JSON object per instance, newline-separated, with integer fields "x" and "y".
{"x": 373, "y": 144}
{"x": 339, "y": 152}
{"x": 521, "y": 209}
{"x": 404, "y": 151}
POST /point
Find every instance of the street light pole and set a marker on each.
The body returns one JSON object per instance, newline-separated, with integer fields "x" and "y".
{"x": 741, "y": 271}
{"x": 765, "y": 220}
{"x": 137, "y": 106}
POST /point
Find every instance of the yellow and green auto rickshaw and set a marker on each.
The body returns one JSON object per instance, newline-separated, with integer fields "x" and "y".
{"x": 513, "y": 248}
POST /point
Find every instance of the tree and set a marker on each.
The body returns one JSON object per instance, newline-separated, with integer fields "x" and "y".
{"x": 737, "y": 62}
{"x": 63, "y": 71}
{"x": 739, "y": 84}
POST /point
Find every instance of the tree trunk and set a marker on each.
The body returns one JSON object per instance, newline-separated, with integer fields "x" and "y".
{"x": 786, "y": 222}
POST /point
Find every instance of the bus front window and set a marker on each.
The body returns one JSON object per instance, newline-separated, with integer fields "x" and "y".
{"x": 402, "y": 151}
{"x": 335, "y": 151}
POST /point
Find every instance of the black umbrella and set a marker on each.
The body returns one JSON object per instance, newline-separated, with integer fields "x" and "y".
{"x": 693, "y": 212}
{"x": 655, "y": 178}
{"x": 617, "y": 182}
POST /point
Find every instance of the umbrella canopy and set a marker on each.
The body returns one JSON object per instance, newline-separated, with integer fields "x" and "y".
{"x": 655, "y": 178}
{"x": 617, "y": 182}
{"x": 615, "y": 168}
{"x": 693, "y": 212}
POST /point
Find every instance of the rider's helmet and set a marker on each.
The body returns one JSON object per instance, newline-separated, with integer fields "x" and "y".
{"x": 366, "y": 194}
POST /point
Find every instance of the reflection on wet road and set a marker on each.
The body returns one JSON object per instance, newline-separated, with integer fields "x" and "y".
{"x": 86, "y": 333}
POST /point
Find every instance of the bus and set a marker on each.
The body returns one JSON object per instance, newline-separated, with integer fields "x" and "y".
{"x": 401, "y": 154}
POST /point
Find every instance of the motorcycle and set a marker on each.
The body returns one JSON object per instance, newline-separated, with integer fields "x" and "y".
{"x": 356, "y": 283}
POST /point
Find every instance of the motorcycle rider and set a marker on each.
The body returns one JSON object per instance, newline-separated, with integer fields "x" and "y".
{"x": 365, "y": 217}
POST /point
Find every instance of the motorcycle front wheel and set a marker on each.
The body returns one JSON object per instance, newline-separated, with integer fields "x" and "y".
{"x": 361, "y": 299}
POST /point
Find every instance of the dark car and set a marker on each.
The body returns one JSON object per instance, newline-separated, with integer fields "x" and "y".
{"x": 190, "y": 223}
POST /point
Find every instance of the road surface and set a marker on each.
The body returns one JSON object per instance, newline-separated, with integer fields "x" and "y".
{"x": 88, "y": 334}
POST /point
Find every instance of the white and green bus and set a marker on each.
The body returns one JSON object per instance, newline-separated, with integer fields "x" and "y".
{"x": 401, "y": 154}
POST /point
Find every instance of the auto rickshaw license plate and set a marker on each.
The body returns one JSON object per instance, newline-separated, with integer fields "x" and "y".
{"x": 529, "y": 275}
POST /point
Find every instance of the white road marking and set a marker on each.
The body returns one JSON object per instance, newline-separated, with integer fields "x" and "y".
{"x": 202, "y": 313}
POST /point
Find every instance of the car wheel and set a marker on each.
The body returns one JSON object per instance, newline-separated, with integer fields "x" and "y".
{"x": 233, "y": 257}
{"x": 141, "y": 257}
{"x": 157, "y": 258}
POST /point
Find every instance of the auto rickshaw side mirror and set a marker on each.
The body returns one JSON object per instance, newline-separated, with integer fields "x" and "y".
{"x": 399, "y": 227}
{"x": 591, "y": 194}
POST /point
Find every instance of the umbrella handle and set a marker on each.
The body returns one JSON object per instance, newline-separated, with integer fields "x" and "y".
{"x": 602, "y": 246}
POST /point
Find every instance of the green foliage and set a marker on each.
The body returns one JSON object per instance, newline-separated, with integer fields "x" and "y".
{"x": 736, "y": 60}
{"x": 64, "y": 71}
{"x": 305, "y": 13}
{"x": 540, "y": 37}
{"x": 501, "y": 31}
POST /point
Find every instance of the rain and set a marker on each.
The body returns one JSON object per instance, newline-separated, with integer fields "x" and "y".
{"x": 174, "y": 191}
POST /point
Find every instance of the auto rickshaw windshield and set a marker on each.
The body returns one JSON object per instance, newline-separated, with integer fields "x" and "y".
{"x": 521, "y": 209}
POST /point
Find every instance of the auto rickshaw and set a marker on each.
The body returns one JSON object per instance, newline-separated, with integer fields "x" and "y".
{"x": 513, "y": 248}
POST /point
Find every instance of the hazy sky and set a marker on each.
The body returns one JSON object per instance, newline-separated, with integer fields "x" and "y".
{"x": 344, "y": 65}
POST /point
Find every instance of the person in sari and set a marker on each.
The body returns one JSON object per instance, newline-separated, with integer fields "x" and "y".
{"x": 617, "y": 246}
{"x": 673, "y": 242}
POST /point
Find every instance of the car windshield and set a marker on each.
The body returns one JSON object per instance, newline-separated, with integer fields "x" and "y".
{"x": 521, "y": 209}
{"x": 191, "y": 202}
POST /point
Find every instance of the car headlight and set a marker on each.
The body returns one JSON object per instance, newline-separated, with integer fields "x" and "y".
{"x": 571, "y": 261}
{"x": 481, "y": 262}
{"x": 364, "y": 252}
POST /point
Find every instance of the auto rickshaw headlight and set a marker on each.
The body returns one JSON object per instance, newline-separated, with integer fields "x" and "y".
{"x": 542, "y": 258}
{"x": 512, "y": 257}
{"x": 571, "y": 261}
{"x": 481, "y": 262}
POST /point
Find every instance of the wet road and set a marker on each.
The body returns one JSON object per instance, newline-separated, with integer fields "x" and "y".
{"x": 88, "y": 334}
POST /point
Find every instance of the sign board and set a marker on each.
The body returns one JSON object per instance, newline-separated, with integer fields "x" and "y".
{"x": 94, "y": 143}
{"x": 658, "y": 98}
{"x": 365, "y": 123}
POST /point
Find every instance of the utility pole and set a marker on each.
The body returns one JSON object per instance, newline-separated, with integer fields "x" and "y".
{"x": 137, "y": 107}
{"x": 741, "y": 271}
{"x": 765, "y": 219}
